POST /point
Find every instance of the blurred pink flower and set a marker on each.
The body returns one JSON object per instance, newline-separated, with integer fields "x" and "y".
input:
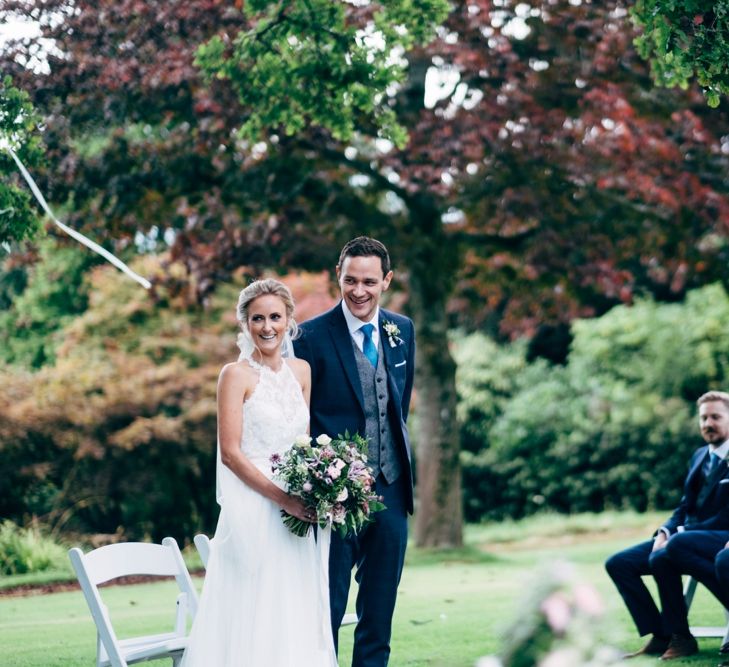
{"x": 556, "y": 609}
{"x": 588, "y": 600}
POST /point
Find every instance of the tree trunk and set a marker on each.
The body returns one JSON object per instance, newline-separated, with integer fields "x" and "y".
{"x": 432, "y": 262}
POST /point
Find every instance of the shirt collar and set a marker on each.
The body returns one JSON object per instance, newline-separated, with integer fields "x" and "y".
{"x": 354, "y": 323}
{"x": 721, "y": 451}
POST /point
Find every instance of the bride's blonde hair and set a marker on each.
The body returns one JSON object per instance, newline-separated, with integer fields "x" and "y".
{"x": 264, "y": 287}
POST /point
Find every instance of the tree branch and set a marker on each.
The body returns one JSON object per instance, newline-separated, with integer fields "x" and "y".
{"x": 510, "y": 242}
{"x": 365, "y": 168}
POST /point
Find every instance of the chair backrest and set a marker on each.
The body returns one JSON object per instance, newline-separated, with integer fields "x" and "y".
{"x": 124, "y": 559}
{"x": 202, "y": 543}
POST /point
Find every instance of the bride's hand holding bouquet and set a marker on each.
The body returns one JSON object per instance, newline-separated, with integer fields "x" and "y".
{"x": 332, "y": 479}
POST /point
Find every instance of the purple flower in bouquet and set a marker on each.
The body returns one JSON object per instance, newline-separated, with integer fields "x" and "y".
{"x": 332, "y": 477}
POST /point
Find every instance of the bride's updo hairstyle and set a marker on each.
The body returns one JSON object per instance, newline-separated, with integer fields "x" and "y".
{"x": 262, "y": 288}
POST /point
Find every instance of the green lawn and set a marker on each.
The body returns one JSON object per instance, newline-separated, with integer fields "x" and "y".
{"x": 453, "y": 606}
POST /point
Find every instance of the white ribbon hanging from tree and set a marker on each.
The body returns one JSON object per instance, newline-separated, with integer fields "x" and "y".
{"x": 72, "y": 232}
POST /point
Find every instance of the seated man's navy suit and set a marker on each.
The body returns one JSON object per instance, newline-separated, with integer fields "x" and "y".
{"x": 697, "y": 530}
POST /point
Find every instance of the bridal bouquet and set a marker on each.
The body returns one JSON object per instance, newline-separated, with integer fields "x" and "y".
{"x": 331, "y": 477}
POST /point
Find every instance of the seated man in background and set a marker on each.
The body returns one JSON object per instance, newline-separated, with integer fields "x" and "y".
{"x": 697, "y": 530}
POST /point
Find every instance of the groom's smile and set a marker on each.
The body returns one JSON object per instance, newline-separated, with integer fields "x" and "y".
{"x": 362, "y": 282}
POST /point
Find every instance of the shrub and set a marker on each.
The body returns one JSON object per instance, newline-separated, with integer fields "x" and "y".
{"x": 41, "y": 302}
{"x": 613, "y": 429}
{"x": 676, "y": 350}
{"x": 24, "y": 550}
{"x": 118, "y": 434}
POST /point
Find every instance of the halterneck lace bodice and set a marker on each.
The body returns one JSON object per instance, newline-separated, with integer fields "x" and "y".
{"x": 274, "y": 414}
{"x": 266, "y": 595}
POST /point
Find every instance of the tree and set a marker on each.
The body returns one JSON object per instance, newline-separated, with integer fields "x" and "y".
{"x": 685, "y": 40}
{"x": 547, "y": 180}
{"x": 18, "y": 132}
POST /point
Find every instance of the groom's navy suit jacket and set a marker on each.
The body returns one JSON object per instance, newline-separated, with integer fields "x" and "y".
{"x": 337, "y": 403}
{"x": 702, "y": 508}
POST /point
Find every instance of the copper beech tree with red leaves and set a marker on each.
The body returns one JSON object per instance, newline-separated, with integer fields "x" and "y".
{"x": 547, "y": 180}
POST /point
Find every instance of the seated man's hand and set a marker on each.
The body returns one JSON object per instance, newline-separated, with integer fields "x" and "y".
{"x": 660, "y": 541}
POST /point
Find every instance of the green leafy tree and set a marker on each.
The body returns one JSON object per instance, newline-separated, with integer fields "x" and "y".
{"x": 548, "y": 179}
{"x": 685, "y": 40}
{"x": 41, "y": 301}
{"x": 316, "y": 62}
{"x": 19, "y": 132}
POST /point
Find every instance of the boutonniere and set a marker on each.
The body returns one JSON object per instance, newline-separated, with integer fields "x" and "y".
{"x": 393, "y": 333}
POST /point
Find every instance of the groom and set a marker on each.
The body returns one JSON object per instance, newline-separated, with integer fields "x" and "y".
{"x": 362, "y": 362}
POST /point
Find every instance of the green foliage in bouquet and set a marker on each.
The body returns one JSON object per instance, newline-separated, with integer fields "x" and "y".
{"x": 331, "y": 477}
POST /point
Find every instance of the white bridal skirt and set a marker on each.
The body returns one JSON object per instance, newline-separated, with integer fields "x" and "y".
{"x": 265, "y": 599}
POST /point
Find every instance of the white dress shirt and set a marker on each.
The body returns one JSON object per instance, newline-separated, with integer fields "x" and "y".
{"x": 721, "y": 451}
{"x": 354, "y": 324}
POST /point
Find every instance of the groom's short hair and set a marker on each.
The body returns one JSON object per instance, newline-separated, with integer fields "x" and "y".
{"x": 364, "y": 246}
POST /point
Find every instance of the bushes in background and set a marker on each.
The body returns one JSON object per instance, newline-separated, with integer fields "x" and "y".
{"x": 611, "y": 429}
{"x": 24, "y": 550}
{"x": 118, "y": 435}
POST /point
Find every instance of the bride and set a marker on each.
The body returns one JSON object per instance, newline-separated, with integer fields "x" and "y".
{"x": 265, "y": 599}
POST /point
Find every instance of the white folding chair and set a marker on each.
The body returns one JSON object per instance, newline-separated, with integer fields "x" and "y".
{"x": 689, "y": 590}
{"x": 128, "y": 558}
{"x": 202, "y": 543}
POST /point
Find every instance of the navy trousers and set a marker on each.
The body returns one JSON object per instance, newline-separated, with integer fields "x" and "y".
{"x": 378, "y": 552}
{"x": 721, "y": 570}
{"x": 694, "y": 553}
{"x": 627, "y": 569}
{"x": 691, "y": 552}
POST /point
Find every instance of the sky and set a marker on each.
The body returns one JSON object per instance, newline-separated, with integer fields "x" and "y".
{"x": 17, "y": 29}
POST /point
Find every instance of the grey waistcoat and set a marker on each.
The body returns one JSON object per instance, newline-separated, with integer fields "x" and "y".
{"x": 382, "y": 456}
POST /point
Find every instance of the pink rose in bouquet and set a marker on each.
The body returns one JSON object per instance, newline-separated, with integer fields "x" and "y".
{"x": 332, "y": 477}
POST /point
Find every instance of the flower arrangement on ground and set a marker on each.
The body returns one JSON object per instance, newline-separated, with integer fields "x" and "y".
{"x": 332, "y": 477}
{"x": 558, "y": 625}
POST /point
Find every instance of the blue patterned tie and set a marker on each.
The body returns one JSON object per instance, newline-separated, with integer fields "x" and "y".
{"x": 369, "y": 349}
{"x": 714, "y": 461}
